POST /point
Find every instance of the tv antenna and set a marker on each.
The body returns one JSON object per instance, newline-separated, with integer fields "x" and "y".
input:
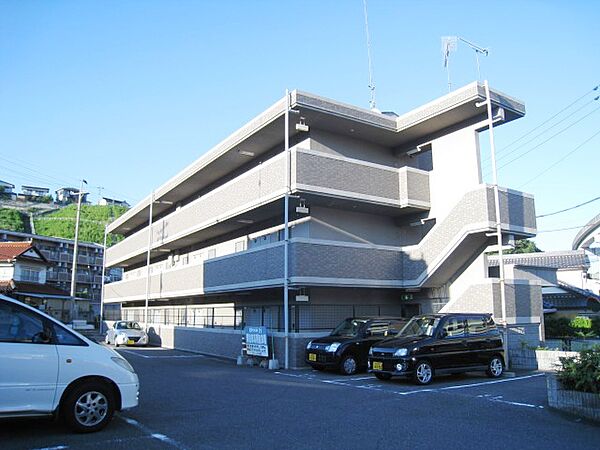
{"x": 450, "y": 44}
{"x": 371, "y": 81}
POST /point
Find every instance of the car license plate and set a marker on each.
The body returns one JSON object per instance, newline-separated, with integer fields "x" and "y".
{"x": 312, "y": 357}
{"x": 130, "y": 342}
{"x": 377, "y": 365}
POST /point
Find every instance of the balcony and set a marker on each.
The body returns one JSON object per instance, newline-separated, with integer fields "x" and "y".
{"x": 444, "y": 250}
{"x": 313, "y": 173}
{"x": 180, "y": 282}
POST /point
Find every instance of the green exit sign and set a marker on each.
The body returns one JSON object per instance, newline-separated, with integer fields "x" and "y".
{"x": 406, "y": 296}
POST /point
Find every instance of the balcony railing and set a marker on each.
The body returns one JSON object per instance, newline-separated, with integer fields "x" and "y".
{"x": 172, "y": 283}
{"x": 311, "y": 172}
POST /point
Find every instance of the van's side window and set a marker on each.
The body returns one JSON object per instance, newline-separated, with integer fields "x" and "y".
{"x": 19, "y": 325}
{"x": 477, "y": 325}
{"x": 64, "y": 337}
{"x": 454, "y": 326}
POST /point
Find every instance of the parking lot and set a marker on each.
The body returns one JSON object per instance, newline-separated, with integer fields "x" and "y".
{"x": 190, "y": 401}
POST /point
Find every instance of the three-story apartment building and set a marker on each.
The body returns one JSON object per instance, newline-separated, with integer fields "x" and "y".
{"x": 387, "y": 215}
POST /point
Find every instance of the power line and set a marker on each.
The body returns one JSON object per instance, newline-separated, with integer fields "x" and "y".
{"x": 561, "y": 159}
{"x": 550, "y": 119}
{"x": 504, "y": 156}
{"x": 561, "y": 229}
{"x": 550, "y": 138}
{"x": 568, "y": 209}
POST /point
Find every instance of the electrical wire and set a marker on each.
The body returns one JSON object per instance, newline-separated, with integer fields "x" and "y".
{"x": 568, "y": 209}
{"x": 561, "y": 159}
{"x": 548, "y": 120}
{"x": 505, "y": 155}
{"x": 561, "y": 229}
{"x": 547, "y": 140}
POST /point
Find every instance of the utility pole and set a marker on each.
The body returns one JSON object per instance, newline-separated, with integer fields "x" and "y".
{"x": 101, "y": 325}
{"x": 75, "y": 251}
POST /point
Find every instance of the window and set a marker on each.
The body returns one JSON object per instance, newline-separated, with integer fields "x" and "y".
{"x": 454, "y": 327}
{"x": 31, "y": 274}
{"x": 377, "y": 329}
{"x": 477, "y": 325}
{"x": 64, "y": 337}
{"x": 20, "y": 325}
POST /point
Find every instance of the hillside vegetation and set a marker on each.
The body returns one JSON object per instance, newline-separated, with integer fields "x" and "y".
{"x": 13, "y": 220}
{"x": 93, "y": 218}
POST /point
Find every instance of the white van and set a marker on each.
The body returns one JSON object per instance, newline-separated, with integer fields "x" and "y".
{"x": 49, "y": 369}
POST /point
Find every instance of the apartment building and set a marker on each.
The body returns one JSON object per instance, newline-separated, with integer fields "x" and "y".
{"x": 59, "y": 256}
{"x": 386, "y": 213}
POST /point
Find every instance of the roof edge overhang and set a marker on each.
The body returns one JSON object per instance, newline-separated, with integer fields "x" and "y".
{"x": 391, "y": 129}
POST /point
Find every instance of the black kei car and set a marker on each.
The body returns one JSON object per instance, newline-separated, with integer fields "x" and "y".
{"x": 440, "y": 343}
{"x": 347, "y": 346}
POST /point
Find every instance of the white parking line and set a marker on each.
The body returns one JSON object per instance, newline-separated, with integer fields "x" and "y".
{"x": 381, "y": 387}
{"x": 499, "y": 399}
{"x": 153, "y": 435}
{"x": 56, "y": 447}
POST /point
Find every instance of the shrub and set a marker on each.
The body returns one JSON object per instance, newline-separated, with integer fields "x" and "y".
{"x": 581, "y": 373}
{"x": 582, "y": 327}
{"x": 558, "y": 327}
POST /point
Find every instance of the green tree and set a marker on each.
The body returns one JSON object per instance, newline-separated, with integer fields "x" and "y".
{"x": 524, "y": 246}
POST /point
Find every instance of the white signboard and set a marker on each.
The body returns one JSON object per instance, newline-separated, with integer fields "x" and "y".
{"x": 256, "y": 341}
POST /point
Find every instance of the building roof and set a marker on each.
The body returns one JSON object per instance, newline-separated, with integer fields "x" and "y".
{"x": 7, "y": 184}
{"x": 39, "y": 237}
{"x": 265, "y": 132}
{"x": 36, "y": 188}
{"x": 584, "y": 237}
{"x": 9, "y": 251}
{"x": 568, "y": 259}
{"x": 35, "y": 289}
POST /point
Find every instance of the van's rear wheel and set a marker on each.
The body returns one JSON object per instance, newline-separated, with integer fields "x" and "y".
{"x": 88, "y": 407}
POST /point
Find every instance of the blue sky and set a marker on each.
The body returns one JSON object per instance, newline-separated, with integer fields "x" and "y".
{"x": 127, "y": 93}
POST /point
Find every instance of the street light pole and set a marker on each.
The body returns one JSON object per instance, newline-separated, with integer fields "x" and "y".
{"x": 75, "y": 251}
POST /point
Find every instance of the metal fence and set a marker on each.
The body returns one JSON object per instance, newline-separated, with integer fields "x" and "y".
{"x": 301, "y": 317}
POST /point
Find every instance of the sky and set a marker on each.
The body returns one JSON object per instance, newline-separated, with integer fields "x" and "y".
{"x": 126, "y": 94}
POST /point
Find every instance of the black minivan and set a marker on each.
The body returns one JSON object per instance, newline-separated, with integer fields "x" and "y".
{"x": 347, "y": 346}
{"x": 440, "y": 343}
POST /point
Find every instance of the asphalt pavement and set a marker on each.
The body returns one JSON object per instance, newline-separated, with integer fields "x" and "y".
{"x": 190, "y": 401}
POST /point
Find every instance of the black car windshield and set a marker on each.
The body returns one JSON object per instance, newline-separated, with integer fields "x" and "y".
{"x": 348, "y": 327}
{"x": 420, "y": 326}
{"x": 128, "y": 326}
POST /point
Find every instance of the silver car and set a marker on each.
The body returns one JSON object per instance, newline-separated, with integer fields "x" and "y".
{"x": 126, "y": 332}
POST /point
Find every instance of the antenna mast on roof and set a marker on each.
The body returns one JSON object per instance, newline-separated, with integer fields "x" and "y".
{"x": 449, "y": 44}
{"x": 371, "y": 82}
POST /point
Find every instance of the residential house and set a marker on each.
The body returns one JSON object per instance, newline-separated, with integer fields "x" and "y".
{"x": 58, "y": 253}
{"x": 68, "y": 195}
{"x": 105, "y": 201}
{"x": 23, "y": 270}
